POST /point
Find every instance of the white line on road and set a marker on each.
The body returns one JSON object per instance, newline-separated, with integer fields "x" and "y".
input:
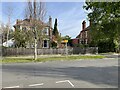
{"x": 12, "y": 87}
{"x": 71, "y": 83}
{"x": 36, "y": 84}
{"x": 62, "y": 81}
{"x": 66, "y": 81}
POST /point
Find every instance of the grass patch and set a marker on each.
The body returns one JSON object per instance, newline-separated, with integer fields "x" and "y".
{"x": 16, "y": 60}
{"x": 54, "y": 58}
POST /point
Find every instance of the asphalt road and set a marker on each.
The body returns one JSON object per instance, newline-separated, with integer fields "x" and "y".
{"x": 100, "y": 73}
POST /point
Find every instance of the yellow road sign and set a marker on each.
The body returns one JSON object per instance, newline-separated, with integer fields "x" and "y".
{"x": 66, "y": 41}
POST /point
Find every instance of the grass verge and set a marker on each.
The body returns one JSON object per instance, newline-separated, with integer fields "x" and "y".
{"x": 54, "y": 58}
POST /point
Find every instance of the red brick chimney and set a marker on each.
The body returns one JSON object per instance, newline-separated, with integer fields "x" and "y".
{"x": 17, "y": 21}
{"x": 83, "y": 25}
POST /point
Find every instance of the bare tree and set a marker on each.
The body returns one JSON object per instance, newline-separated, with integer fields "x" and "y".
{"x": 3, "y": 32}
{"x": 36, "y": 12}
{"x": 9, "y": 13}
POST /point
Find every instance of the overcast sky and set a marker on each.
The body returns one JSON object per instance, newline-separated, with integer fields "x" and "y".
{"x": 69, "y": 14}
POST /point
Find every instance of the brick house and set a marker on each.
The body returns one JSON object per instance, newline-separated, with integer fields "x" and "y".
{"x": 47, "y": 31}
{"x": 75, "y": 41}
{"x": 84, "y": 35}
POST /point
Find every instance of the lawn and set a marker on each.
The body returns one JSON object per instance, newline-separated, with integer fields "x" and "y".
{"x": 51, "y": 58}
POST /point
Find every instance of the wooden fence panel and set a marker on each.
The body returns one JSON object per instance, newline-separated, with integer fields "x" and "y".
{"x": 26, "y": 51}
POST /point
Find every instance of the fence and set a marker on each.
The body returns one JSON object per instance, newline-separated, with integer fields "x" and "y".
{"x": 26, "y": 51}
{"x": 87, "y": 50}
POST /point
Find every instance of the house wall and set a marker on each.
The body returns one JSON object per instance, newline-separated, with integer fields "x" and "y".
{"x": 20, "y": 24}
{"x": 84, "y": 36}
{"x": 75, "y": 41}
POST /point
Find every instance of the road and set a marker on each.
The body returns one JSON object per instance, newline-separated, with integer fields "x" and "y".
{"x": 100, "y": 73}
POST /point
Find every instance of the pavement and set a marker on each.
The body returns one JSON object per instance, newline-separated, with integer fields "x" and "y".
{"x": 99, "y": 73}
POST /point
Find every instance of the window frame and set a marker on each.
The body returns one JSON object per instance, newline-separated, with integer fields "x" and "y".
{"x": 47, "y": 44}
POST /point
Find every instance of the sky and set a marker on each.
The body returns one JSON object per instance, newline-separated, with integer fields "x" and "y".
{"x": 70, "y": 15}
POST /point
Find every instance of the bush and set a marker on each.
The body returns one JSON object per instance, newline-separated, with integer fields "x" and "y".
{"x": 106, "y": 46}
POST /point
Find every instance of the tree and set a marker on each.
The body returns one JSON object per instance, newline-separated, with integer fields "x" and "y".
{"x": 56, "y": 35}
{"x": 36, "y": 11}
{"x": 22, "y": 38}
{"x": 4, "y": 31}
{"x": 67, "y": 37}
{"x": 55, "y": 30}
{"x": 9, "y": 13}
{"x": 105, "y": 17}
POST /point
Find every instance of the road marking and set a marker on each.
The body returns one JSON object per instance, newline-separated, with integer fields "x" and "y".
{"x": 66, "y": 81}
{"x": 36, "y": 84}
{"x": 12, "y": 87}
{"x": 71, "y": 83}
{"x": 62, "y": 81}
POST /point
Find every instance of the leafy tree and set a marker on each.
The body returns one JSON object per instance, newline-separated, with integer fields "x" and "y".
{"x": 55, "y": 30}
{"x": 56, "y": 36}
{"x": 21, "y": 38}
{"x": 105, "y": 17}
{"x": 67, "y": 37}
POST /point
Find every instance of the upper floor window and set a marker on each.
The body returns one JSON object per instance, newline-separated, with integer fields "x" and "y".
{"x": 86, "y": 41}
{"x": 86, "y": 34}
{"x": 45, "y": 31}
{"x": 24, "y": 28}
{"x": 20, "y": 27}
{"x": 81, "y": 35}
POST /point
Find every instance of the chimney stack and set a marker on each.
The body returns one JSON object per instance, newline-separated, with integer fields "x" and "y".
{"x": 30, "y": 17}
{"x": 50, "y": 28}
{"x": 83, "y": 25}
{"x": 17, "y": 21}
{"x": 50, "y": 21}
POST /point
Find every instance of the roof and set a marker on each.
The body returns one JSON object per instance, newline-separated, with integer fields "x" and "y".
{"x": 27, "y": 22}
{"x": 86, "y": 29}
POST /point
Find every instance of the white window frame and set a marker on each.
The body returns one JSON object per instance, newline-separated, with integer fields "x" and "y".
{"x": 46, "y": 32}
{"x": 86, "y": 41}
{"x": 86, "y": 34}
{"x": 20, "y": 27}
{"x": 81, "y": 35}
{"x": 80, "y": 41}
{"x": 47, "y": 43}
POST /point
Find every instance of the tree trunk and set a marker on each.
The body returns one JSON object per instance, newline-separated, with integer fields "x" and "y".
{"x": 35, "y": 52}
